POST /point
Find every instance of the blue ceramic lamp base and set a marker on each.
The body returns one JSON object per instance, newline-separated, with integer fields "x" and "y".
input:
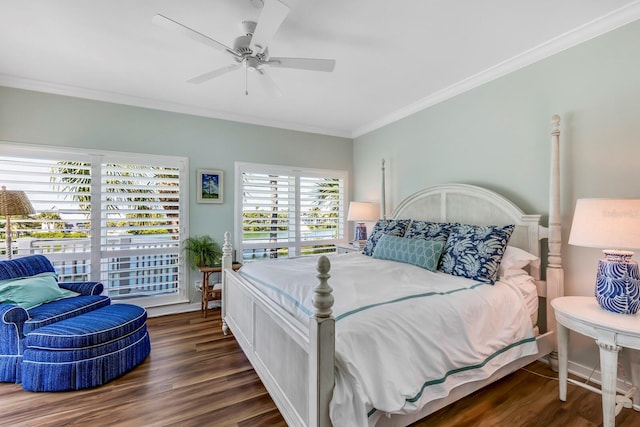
{"x": 618, "y": 283}
{"x": 361, "y": 232}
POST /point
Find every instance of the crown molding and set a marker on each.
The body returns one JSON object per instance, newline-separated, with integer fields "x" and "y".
{"x": 155, "y": 104}
{"x": 581, "y": 34}
{"x": 585, "y": 32}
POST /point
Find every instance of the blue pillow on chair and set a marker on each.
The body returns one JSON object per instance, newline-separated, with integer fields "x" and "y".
{"x": 29, "y": 292}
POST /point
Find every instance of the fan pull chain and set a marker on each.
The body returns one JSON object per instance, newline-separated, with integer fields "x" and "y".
{"x": 246, "y": 82}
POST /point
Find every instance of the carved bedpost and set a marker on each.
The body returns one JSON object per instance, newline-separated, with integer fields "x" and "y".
{"x": 227, "y": 251}
{"x": 322, "y": 349}
{"x": 555, "y": 273}
{"x": 227, "y": 261}
{"x": 383, "y": 202}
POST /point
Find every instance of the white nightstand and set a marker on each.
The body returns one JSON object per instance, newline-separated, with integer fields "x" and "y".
{"x": 612, "y": 332}
{"x": 346, "y": 248}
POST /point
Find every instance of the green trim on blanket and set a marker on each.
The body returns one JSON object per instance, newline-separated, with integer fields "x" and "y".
{"x": 309, "y": 313}
{"x": 408, "y": 297}
{"x": 465, "y": 368}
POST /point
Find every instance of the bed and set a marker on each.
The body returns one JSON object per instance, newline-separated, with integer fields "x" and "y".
{"x": 306, "y": 342}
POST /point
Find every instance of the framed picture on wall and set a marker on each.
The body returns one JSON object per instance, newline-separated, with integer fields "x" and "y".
{"x": 209, "y": 185}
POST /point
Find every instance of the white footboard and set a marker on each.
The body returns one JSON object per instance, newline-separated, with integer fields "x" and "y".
{"x": 297, "y": 372}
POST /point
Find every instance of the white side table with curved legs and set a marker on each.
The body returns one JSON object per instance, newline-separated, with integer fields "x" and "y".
{"x": 612, "y": 332}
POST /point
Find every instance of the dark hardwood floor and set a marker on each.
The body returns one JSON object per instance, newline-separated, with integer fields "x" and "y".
{"x": 196, "y": 376}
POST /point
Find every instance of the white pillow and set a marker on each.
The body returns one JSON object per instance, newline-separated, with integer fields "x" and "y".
{"x": 514, "y": 260}
{"x": 529, "y": 291}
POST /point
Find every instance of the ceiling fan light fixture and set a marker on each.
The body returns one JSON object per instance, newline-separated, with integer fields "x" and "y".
{"x": 251, "y": 63}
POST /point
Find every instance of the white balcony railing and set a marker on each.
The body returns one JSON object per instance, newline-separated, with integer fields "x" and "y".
{"x": 135, "y": 275}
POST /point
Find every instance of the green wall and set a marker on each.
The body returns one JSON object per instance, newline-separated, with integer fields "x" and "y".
{"x": 45, "y": 119}
{"x": 498, "y": 136}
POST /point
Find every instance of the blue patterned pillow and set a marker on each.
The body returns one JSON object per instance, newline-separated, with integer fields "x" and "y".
{"x": 475, "y": 251}
{"x": 429, "y": 230}
{"x": 420, "y": 252}
{"x": 394, "y": 227}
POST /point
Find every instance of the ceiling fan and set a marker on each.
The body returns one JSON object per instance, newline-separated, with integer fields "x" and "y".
{"x": 251, "y": 50}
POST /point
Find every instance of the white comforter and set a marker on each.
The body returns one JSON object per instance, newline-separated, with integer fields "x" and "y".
{"x": 404, "y": 335}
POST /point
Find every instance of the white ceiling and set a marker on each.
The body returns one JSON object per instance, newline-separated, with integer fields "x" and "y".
{"x": 393, "y": 57}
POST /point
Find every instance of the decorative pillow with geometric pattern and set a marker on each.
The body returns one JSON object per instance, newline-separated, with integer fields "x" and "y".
{"x": 429, "y": 230}
{"x": 475, "y": 252}
{"x": 394, "y": 227}
{"x": 420, "y": 252}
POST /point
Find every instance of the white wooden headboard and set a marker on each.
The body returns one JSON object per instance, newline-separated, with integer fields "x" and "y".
{"x": 468, "y": 204}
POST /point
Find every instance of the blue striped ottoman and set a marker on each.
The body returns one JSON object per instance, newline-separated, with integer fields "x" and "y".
{"x": 87, "y": 350}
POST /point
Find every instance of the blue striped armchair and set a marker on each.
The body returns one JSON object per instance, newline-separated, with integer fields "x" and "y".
{"x": 17, "y": 321}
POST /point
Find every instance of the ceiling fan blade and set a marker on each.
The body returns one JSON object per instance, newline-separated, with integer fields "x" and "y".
{"x": 311, "y": 64}
{"x": 269, "y": 85}
{"x": 172, "y": 25}
{"x": 213, "y": 74}
{"x": 271, "y": 17}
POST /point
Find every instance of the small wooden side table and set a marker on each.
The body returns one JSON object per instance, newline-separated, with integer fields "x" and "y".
{"x": 208, "y": 291}
{"x": 612, "y": 332}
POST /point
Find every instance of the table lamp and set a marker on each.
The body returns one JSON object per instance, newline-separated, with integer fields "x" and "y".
{"x": 13, "y": 203}
{"x": 611, "y": 223}
{"x": 361, "y": 212}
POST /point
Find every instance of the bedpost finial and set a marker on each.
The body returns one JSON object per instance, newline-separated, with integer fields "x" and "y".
{"x": 324, "y": 265}
{"x": 555, "y": 122}
{"x": 226, "y": 247}
{"x": 322, "y": 299}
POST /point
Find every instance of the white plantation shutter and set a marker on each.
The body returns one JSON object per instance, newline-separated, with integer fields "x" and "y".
{"x": 287, "y": 212}
{"x": 59, "y": 188}
{"x": 122, "y": 216}
{"x": 140, "y": 229}
{"x": 321, "y": 208}
{"x": 268, "y": 206}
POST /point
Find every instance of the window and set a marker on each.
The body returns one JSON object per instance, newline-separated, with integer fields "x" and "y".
{"x": 286, "y": 212}
{"x": 110, "y": 217}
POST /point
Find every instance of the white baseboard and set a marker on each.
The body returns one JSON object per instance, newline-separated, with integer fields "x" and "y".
{"x": 164, "y": 310}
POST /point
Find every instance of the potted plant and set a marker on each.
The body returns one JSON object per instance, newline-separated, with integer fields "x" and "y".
{"x": 202, "y": 251}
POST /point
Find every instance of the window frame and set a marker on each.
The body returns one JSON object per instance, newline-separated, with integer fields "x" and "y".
{"x": 96, "y": 158}
{"x": 292, "y": 172}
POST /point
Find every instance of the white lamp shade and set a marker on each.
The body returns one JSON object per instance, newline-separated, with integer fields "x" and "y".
{"x": 363, "y": 211}
{"x": 606, "y": 223}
